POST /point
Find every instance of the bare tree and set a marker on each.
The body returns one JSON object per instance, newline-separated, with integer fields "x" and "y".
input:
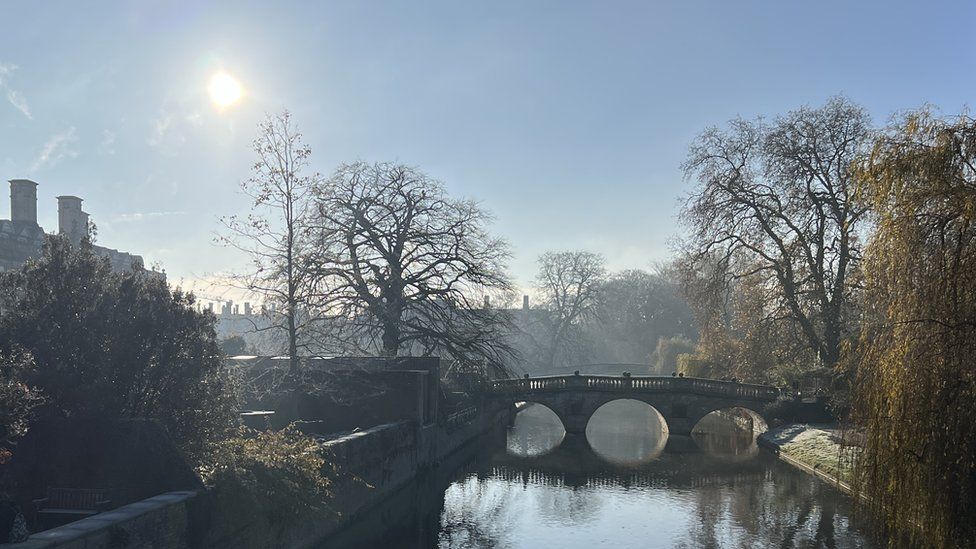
{"x": 401, "y": 266}
{"x": 568, "y": 284}
{"x": 775, "y": 204}
{"x": 274, "y": 234}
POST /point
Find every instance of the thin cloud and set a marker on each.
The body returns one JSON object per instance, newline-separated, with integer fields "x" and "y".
{"x": 108, "y": 142}
{"x": 169, "y": 129}
{"x": 57, "y": 148}
{"x": 14, "y": 97}
{"x": 161, "y": 128}
{"x": 142, "y": 216}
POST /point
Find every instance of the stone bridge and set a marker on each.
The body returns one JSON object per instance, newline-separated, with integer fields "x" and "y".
{"x": 682, "y": 401}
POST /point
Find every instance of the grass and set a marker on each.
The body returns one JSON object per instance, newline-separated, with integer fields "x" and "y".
{"x": 814, "y": 448}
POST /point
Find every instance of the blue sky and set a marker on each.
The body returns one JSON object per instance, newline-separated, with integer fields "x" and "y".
{"x": 569, "y": 120}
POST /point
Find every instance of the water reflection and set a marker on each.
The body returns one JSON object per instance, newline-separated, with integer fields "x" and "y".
{"x": 626, "y": 432}
{"x": 537, "y": 431}
{"x": 715, "y": 490}
{"x": 718, "y": 437}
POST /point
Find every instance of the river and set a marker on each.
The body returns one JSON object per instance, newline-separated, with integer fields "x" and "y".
{"x": 626, "y": 484}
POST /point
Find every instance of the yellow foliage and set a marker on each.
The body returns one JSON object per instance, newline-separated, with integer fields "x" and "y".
{"x": 915, "y": 394}
{"x": 284, "y": 471}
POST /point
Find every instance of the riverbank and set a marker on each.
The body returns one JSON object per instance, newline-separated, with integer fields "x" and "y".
{"x": 814, "y": 450}
{"x": 370, "y": 465}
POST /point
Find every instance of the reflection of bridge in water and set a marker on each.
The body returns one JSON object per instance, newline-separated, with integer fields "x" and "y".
{"x": 681, "y": 401}
{"x": 574, "y": 463}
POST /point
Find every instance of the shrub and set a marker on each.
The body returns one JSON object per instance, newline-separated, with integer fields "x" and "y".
{"x": 17, "y": 400}
{"x": 115, "y": 345}
{"x": 274, "y": 476}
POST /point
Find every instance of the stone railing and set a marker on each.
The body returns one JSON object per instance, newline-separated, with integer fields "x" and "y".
{"x": 631, "y": 384}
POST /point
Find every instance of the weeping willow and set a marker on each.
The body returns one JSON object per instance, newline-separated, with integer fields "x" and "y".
{"x": 916, "y": 396}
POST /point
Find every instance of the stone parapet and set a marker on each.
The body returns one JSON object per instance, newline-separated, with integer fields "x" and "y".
{"x": 161, "y": 522}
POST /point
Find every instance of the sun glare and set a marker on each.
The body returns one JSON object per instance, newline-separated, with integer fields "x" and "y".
{"x": 224, "y": 90}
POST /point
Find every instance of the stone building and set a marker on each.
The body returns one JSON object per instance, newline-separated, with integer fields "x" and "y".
{"x": 21, "y": 238}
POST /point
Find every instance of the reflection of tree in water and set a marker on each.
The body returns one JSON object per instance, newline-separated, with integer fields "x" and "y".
{"x": 559, "y": 504}
{"x": 806, "y": 514}
{"x": 709, "y": 509}
{"x": 484, "y": 511}
{"x": 478, "y": 512}
{"x": 731, "y": 446}
{"x": 781, "y": 510}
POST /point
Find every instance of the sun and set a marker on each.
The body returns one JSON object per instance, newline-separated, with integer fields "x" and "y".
{"x": 224, "y": 90}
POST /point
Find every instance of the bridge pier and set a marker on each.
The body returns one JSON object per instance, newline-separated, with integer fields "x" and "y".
{"x": 680, "y": 426}
{"x": 575, "y": 424}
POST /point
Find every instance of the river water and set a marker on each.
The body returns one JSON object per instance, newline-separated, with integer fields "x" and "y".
{"x": 626, "y": 484}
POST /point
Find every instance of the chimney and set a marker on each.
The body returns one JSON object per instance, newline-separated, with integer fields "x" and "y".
{"x": 23, "y": 200}
{"x": 525, "y": 303}
{"x": 487, "y": 302}
{"x": 247, "y": 308}
{"x": 71, "y": 220}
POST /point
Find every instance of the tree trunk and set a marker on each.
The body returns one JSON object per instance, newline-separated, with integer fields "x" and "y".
{"x": 830, "y": 350}
{"x": 292, "y": 341}
{"x": 391, "y": 338}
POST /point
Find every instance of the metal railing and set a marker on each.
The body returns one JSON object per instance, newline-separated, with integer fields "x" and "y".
{"x": 631, "y": 384}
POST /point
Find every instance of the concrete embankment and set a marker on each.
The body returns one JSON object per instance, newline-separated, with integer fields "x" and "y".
{"x": 816, "y": 451}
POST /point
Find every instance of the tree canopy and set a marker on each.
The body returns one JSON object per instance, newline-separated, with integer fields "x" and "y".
{"x": 111, "y": 344}
{"x": 401, "y": 266}
{"x": 275, "y": 233}
{"x": 568, "y": 284}
{"x": 773, "y": 214}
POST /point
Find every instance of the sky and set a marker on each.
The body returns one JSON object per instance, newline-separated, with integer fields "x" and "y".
{"x": 568, "y": 120}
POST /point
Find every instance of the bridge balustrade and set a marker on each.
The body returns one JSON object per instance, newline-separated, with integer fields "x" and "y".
{"x": 628, "y": 384}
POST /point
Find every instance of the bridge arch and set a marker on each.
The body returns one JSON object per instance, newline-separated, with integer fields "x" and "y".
{"x": 758, "y": 421}
{"x": 683, "y": 402}
{"x": 713, "y": 436}
{"x": 626, "y": 431}
{"x": 536, "y": 430}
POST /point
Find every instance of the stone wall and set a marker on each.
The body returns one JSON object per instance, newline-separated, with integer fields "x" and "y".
{"x": 372, "y": 464}
{"x": 161, "y": 522}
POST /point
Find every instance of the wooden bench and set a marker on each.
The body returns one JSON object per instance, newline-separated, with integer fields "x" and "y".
{"x": 64, "y": 505}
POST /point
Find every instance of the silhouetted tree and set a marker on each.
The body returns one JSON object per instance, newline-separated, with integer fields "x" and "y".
{"x": 110, "y": 344}
{"x": 775, "y": 204}
{"x": 568, "y": 284}
{"x": 274, "y": 234}
{"x": 402, "y": 266}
